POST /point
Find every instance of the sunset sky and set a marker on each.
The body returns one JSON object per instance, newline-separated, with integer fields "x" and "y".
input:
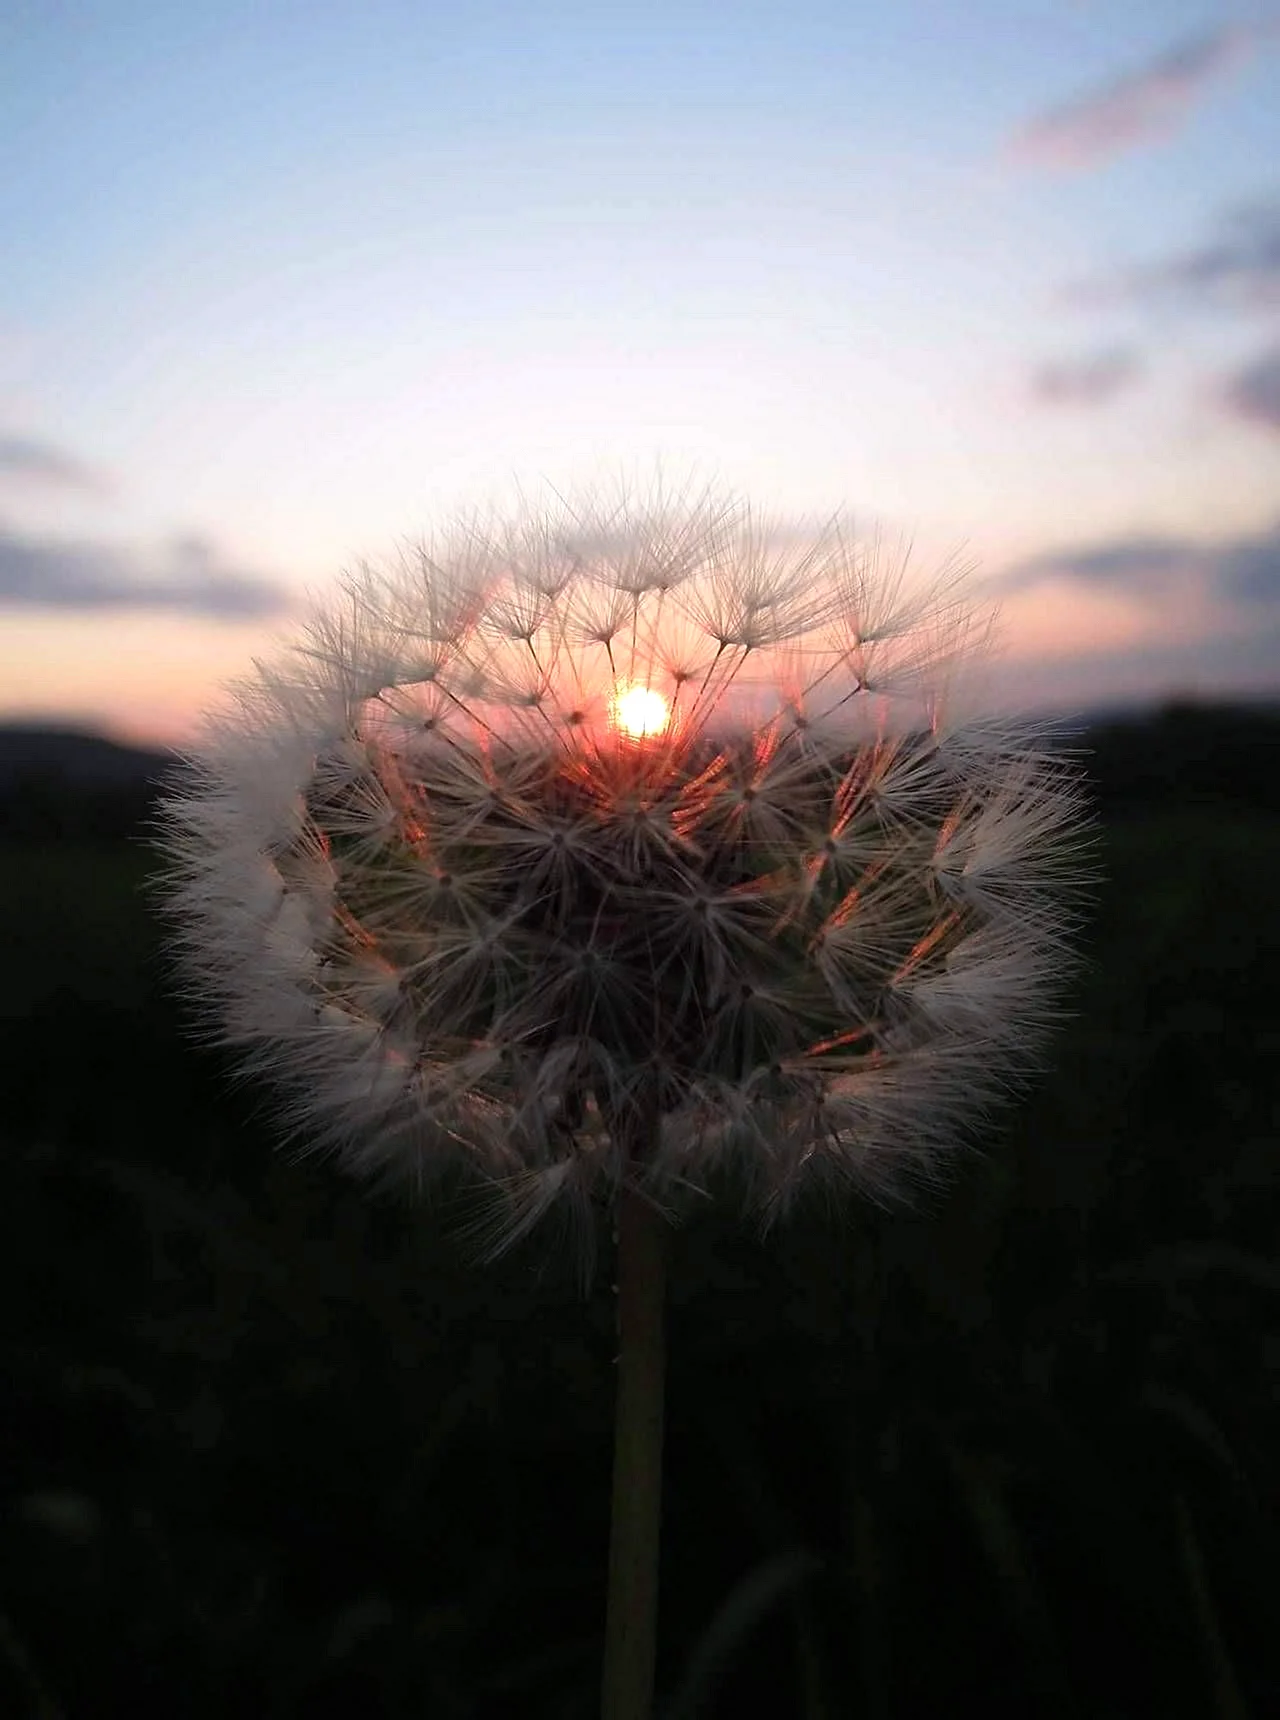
{"x": 285, "y": 283}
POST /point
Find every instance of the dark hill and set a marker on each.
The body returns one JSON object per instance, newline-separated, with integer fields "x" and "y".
{"x": 77, "y": 758}
{"x": 69, "y": 785}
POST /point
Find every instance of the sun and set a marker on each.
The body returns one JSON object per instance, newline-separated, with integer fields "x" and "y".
{"x": 640, "y": 712}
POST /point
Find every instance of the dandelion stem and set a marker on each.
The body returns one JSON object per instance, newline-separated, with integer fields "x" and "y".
{"x": 631, "y": 1617}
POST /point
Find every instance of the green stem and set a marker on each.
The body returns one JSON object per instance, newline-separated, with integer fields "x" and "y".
{"x": 631, "y": 1617}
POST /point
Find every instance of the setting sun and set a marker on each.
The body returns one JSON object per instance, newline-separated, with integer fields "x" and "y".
{"x": 640, "y": 711}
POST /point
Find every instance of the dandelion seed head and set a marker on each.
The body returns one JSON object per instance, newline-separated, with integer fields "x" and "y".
{"x": 629, "y": 843}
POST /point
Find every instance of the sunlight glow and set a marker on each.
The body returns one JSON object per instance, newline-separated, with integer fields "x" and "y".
{"x": 639, "y": 711}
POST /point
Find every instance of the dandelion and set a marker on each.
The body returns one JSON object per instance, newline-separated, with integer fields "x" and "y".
{"x": 627, "y": 857}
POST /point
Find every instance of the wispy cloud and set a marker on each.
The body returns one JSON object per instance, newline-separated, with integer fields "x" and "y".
{"x": 1144, "y": 104}
{"x": 1206, "y": 664}
{"x": 1254, "y": 392}
{"x": 1238, "y": 269}
{"x": 26, "y": 460}
{"x": 1248, "y": 569}
{"x": 1241, "y": 570}
{"x": 1142, "y": 564}
{"x": 1170, "y": 613}
{"x": 185, "y": 575}
{"x": 1091, "y": 380}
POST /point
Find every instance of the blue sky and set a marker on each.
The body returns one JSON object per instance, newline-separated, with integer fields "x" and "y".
{"x": 283, "y": 283}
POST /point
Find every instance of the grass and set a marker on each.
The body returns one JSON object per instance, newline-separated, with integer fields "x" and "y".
{"x": 272, "y": 1448}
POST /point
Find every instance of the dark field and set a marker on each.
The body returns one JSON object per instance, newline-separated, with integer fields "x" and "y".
{"x": 269, "y": 1448}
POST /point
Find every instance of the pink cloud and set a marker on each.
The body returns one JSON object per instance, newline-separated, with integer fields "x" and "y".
{"x": 1141, "y": 106}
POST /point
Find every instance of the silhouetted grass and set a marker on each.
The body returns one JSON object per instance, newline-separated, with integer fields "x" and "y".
{"x": 271, "y": 1448}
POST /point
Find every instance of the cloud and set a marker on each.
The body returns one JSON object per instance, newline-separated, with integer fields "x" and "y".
{"x": 29, "y": 460}
{"x": 1243, "y": 570}
{"x": 185, "y": 576}
{"x": 1142, "y": 564}
{"x": 1204, "y": 665}
{"x": 1237, "y": 270}
{"x": 1254, "y": 392}
{"x": 1145, "y": 616}
{"x": 1249, "y": 568}
{"x": 1087, "y": 381}
{"x": 1144, "y": 104}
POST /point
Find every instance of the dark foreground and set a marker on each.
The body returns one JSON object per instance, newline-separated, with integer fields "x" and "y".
{"x": 270, "y": 1449}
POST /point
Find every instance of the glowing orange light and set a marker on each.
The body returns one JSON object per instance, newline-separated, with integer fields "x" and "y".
{"x": 639, "y": 711}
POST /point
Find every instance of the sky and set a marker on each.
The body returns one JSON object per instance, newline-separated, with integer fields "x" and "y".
{"x": 285, "y": 285}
